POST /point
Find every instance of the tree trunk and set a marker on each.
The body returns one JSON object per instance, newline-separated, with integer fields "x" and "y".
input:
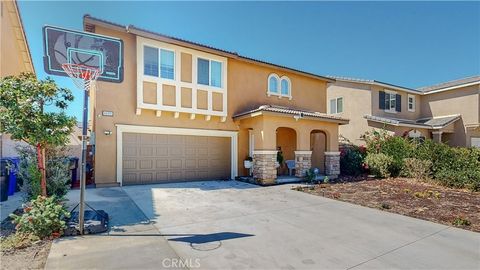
{"x": 41, "y": 167}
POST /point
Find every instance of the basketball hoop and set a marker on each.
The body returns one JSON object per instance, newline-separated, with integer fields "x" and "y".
{"x": 83, "y": 76}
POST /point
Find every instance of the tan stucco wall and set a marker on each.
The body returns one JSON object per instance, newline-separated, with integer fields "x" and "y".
{"x": 14, "y": 56}
{"x": 464, "y": 101}
{"x": 14, "y": 59}
{"x": 247, "y": 87}
{"x": 356, "y": 103}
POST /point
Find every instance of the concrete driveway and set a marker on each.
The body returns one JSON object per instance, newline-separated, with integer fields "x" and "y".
{"x": 233, "y": 225}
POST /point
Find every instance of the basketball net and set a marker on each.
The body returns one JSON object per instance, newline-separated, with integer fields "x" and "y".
{"x": 83, "y": 76}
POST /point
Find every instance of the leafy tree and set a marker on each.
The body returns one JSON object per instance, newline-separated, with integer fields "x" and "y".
{"x": 22, "y": 113}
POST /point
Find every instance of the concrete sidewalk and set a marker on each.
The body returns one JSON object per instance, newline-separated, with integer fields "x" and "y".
{"x": 132, "y": 243}
{"x": 7, "y": 207}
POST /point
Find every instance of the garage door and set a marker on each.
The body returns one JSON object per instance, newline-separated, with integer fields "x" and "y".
{"x": 475, "y": 142}
{"x": 157, "y": 158}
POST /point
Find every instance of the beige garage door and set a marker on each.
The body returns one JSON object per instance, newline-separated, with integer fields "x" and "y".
{"x": 156, "y": 158}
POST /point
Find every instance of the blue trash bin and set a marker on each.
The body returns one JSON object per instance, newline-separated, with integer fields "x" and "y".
{"x": 12, "y": 177}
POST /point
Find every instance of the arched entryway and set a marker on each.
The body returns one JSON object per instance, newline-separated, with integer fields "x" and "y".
{"x": 318, "y": 145}
{"x": 286, "y": 145}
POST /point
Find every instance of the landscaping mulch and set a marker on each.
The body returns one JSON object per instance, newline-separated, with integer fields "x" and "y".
{"x": 410, "y": 197}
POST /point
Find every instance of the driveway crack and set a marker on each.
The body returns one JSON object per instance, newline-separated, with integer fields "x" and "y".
{"x": 397, "y": 248}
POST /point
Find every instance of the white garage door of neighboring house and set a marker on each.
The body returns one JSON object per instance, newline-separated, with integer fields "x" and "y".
{"x": 149, "y": 157}
{"x": 475, "y": 142}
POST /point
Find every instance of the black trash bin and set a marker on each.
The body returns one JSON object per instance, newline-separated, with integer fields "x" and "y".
{"x": 4, "y": 175}
{"x": 75, "y": 183}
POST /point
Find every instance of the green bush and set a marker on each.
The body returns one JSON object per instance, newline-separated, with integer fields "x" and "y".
{"x": 352, "y": 158}
{"x": 398, "y": 148}
{"x": 379, "y": 164}
{"x": 43, "y": 217}
{"x": 58, "y": 172}
{"x": 416, "y": 168}
{"x": 450, "y": 166}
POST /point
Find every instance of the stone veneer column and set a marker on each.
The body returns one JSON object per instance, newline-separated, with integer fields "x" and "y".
{"x": 437, "y": 136}
{"x": 303, "y": 162}
{"x": 264, "y": 170}
{"x": 332, "y": 164}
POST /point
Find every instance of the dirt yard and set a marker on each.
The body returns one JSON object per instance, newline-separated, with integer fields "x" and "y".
{"x": 33, "y": 256}
{"x": 408, "y": 197}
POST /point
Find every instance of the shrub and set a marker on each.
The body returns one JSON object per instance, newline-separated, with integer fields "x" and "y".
{"x": 42, "y": 217}
{"x": 375, "y": 139}
{"x": 379, "y": 164}
{"x": 58, "y": 173}
{"x": 398, "y": 148}
{"x": 351, "y": 160}
{"x": 459, "y": 168}
{"x": 416, "y": 168}
{"x": 17, "y": 241}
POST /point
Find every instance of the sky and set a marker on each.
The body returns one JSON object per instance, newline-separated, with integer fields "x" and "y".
{"x": 411, "y": 44}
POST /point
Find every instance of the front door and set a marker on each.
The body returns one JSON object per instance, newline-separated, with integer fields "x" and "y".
{"x": 318, "y": 145}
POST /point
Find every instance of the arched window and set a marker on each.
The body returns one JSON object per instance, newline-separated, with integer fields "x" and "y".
{"x": 273, "y": 84}
{"x": 280, "y": 87}
{"x": 285, "y": 86}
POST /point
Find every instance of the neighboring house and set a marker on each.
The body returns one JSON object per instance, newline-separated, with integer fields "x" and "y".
{"x": 186, "y": 111}
{"x": 447, "y": 112}
{"x": 14, "y": 57}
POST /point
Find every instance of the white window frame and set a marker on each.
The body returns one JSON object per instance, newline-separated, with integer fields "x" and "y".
{"x": 390, "y": 93}
{"x": 160, "y": 63}
{"x": 336, "y": 105}
{"x": 414, "y": 103}
{"x": 279, "y": 86}
{"x": 178, "y": 83}
{"x": 210, "y": 72}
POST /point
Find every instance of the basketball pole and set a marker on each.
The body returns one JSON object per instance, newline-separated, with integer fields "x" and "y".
{"x": 83, "y": 171}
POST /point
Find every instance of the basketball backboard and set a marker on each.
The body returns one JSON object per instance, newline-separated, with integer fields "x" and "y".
{"x": 76, "y": 47}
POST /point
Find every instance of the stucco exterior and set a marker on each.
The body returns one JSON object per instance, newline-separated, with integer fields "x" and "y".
{"x": 361, "y": 98}
{"x": 245, "y": 87}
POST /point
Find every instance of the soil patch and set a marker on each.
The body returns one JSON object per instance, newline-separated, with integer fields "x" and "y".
{"x": 408, "y": 197}
{"x": 32, "y": 257}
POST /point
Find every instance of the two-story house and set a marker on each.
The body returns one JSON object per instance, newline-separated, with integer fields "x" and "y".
{"x": 187, "y": 111}
{"x": 447, "y": 112}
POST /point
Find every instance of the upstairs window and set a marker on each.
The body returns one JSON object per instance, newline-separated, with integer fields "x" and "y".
{"x": 390, "y": 101}
{"x": 209, "y": 72}
{"x": 411, "y": 103}
{"x": 273, "y": 84}
{"x": 279, "y": 86}
{"x": 167, "y": 64}
{"x": 150, "y": 61}
{"x": 336, "y": 105}
{"x": 285, "y": 86}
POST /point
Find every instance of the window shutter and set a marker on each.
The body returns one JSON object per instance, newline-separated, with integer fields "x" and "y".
{"x": 381, "y": 100}
{"x": 398, "y": 105}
